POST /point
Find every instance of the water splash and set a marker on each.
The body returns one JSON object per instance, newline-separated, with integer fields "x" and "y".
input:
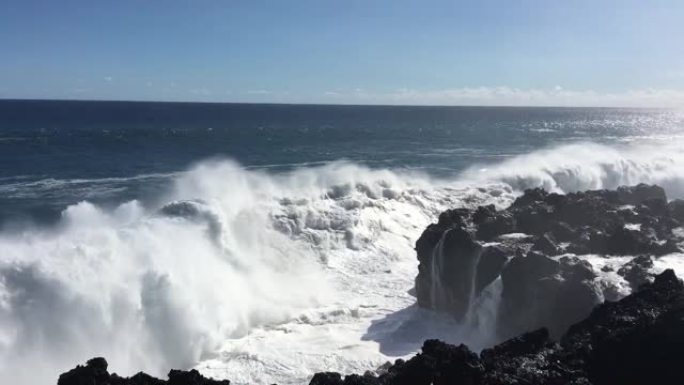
{"x": 295, "y": 258}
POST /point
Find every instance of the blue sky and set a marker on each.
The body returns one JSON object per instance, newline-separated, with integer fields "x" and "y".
{"x": 525, "y": 52}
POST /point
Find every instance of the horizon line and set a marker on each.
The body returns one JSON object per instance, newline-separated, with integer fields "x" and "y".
{"x": 2, "y": 99}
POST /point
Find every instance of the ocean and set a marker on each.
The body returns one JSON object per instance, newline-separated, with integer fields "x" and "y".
{"x": 263, "y": 243}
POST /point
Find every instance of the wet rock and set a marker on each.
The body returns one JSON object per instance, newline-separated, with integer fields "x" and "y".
{"x": 492, "y": 261}
{"x": 95, "y": 373}
{"x": 670, "y": 246}
{"x": 326, "y": 378}
{"x": 526, "y": 359}
{"x": 546, "y": 244}
{"x": 623, "y": 241}
{"x": 637, "y": 340}
{"x": 634, "y": 195}
{"x": 576, "y": 269}
{"x": 438, "y": 364}
{"x": 634, "y": 220}
{"x": 637, "y": 271}
{"x": 456, "y": 259}
{"x": 532, "y": 220}
{"x": 541, "y": 292}
{"x": 355, "y": 379}
{"x": 676, "y": 209}
{"x": 563, "y": 232}
{"x": 491, "y": 224}
{"x": 191, "y": 377}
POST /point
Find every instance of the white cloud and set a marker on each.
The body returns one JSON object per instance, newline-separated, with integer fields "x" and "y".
{"x": 201, "y": 91}
{"x": 508, "y": 96}
{"x": 259, "y": 92}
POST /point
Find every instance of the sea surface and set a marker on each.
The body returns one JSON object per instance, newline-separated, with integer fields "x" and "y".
{"x": 263, "y": 243}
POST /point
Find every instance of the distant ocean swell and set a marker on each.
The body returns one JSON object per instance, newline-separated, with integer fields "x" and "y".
{"x": 227, "y": 251}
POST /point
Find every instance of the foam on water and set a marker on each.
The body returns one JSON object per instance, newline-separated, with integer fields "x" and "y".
{"x": 266, "y": 277}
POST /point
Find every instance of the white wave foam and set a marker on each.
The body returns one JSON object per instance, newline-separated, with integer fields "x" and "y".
{"x": 261, "y": 277}
{"x": 585, "y": 166}
{"x": 29, "y": 187}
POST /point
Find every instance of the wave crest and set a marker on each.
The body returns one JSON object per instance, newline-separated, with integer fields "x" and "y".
{"x": 228, "y": 251}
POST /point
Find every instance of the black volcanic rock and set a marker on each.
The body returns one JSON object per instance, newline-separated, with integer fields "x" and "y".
{"x": 454, "y": 261}
{"x": 640, "y": 193}
{"x": 95, "y": 373}
{"x": 636, "y": 272}
{"x": 438, "y": 364}
{"x": 623, "y": 241}
{"x": 467, "y": 249}
{"x": 492, "y": 261}
{"x": 546, "y": 244}
{"x": 542, "y": 292}
{"x": 637, "y": 340}
{"x": 491, "y": 223}
{"x": 326, "y": 378}
{"x": 676, "y": 209}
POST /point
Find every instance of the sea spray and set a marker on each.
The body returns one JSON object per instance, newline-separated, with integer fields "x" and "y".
{"x": 303, "y": 259}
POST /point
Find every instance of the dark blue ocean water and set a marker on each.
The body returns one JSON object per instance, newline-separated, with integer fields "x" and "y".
{"x": 56, "y": 153}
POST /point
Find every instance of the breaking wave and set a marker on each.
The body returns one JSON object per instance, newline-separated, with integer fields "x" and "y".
{"x": 230, "y": 263}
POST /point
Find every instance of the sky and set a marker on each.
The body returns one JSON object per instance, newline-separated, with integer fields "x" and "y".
{"x": 423, "y": 52}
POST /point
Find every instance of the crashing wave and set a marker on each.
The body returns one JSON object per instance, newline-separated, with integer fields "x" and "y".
{"x": 233, "y": 265}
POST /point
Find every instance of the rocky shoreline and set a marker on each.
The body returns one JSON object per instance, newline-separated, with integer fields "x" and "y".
{"x": 570, "y": 326}
{"x": 534, "y": 248}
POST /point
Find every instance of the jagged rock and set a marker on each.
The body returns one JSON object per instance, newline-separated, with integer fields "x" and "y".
{"x": 533, "y": 219}
{"x": 453, "y": 260}
{"x": 483, "y": 213}
{"x": 623, "y": 241}
{"x": 326, "y": 378}
{"x": 438, "y": 364}
{"x": 630, "y": 221}
{"x": 526, "y": 359}
{"x": 541, "y": 292}
{"x": 670, "y": 246}
{"x": 545, "y": 244}
{"x": 637, "y": 340}
{"x": 95, "y": 373}
{"x": 530, "y": 197}
{"x": 676, "y": 209}
{"x": 563, "y": 232}
{"x": 355, "y": 379}
{"x": 636, "y": 271}
{"x": 492, "y": 261}
{"x": 634, "y": 195}
{"x": 576, "y": 269}
{"x": 192, "y": 377}
{"x": 491, "y": 223}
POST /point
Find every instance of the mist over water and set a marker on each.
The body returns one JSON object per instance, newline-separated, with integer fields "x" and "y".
{"x": 268, "y": 274}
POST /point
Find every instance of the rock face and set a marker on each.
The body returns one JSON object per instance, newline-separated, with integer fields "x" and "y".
{"x": 95, "y": 373}
{"x": 530, "y": 246}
